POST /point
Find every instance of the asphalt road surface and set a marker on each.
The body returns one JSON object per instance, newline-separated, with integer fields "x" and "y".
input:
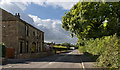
{"x": 71, "y": 59}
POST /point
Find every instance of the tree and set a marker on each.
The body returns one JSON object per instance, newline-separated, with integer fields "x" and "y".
{"x": 87, "y": 20}
{"x": 66, "y": 44}
{"x": 95, "y": 23}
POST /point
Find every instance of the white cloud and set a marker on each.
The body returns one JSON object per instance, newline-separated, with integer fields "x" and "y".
{"x": 53, "y": 30}
{"x": 13, "y": 8}
{"x": 21, "y": 5}
{"x": 65, "y": 4}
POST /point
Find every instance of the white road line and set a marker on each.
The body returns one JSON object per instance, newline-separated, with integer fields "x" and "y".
{"x": 59, "y": 58}
{"x": 82, "y": 63}
{"x": 50, "y": 62}
{"x": 53, "y": 62}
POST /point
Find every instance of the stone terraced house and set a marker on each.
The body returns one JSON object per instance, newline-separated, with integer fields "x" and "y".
{"x": 20, "y": 35}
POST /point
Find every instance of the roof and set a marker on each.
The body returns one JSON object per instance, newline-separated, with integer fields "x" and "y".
{"x": 6, "y": 16}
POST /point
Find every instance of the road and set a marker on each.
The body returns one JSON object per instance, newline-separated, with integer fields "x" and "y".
{"x": 70, "y": 59}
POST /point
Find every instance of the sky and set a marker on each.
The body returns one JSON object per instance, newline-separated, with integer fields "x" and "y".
{"x": 43, "y": 14}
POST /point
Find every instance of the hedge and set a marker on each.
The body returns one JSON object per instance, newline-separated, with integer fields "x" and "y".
{"x": 106, "y": 47}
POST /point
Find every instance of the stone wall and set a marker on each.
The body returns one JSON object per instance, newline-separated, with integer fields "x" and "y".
{"x": 35, "y": 55}
{"x": 14, "y": 32}
{"x": 34, "y": 35}
{"x": 10, "y": 34}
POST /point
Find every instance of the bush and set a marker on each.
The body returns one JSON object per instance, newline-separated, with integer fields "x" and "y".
{"x": 81, "y": 49}
{"x": 110, "y": 55}
{"x": 107, "y": 48}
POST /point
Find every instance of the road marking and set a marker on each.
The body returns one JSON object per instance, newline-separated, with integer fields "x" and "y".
{"x": 50, "y": 62}
{"x": 53, "y": 62}
{"x": 8, "y": 67}
{"x": 82, "y": 63}
{"x": 59, "y": 58}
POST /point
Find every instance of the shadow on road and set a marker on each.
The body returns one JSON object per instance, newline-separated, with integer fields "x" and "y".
{"x": 63, "y": 57}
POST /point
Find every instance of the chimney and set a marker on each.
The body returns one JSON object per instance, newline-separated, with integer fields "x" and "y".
{"x": 17, "y": 15}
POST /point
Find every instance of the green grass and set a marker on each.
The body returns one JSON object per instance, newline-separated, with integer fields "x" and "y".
{"x": 59, "y": 46}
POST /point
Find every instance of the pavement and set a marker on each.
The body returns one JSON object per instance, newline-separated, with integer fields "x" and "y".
{"x": 68, "y": 60}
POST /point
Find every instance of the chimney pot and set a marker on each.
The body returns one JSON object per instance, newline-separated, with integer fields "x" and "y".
{"x": 17, "y": 15}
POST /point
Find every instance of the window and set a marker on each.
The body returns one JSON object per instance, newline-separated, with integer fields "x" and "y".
{"x": 27, "y": 47}
{"x": 33, "y": 33}
{"x": 40, "y": 36}
{"x": 37, "y": 47}
{"x": 33, "y": 48}
{"x": 37, "y": 36}
{"x": 27, "y": 30}
{"x": 21, "y": 45}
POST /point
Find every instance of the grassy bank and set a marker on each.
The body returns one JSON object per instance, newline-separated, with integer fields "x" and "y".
{"x": 106, "y": 48}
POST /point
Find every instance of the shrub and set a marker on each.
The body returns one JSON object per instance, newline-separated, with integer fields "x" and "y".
{"x": 110, "y": 55}
{"x": 81, "y": 49}
{"x": 107, "y": 48}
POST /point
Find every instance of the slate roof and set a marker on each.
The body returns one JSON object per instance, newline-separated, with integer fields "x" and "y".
{"x": 6, "y": 16}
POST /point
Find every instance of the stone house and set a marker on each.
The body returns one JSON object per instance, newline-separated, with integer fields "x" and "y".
{"x": 20, "y": 35}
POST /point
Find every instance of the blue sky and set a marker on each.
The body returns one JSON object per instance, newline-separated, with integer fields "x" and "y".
{"x": 48, "y": 12}
{"x": 43, "y": 14}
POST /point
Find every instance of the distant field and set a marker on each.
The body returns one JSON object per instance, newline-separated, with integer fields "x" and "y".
{"x": 60, "y": 49}
{"x": 59, "y": 46}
